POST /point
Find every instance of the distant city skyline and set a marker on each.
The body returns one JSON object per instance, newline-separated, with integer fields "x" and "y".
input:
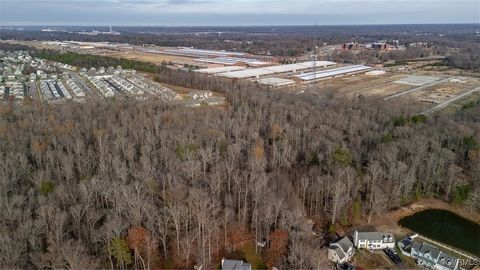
{"x": 236, "y": 12}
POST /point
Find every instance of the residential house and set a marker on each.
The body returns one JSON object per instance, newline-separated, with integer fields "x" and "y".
{"x": 431, "y": 257}
{"x": 341, "y": 251}
{"x": 446, "y": 261}
{"x": 235, "y": 265}
{"x": 373, "y": 240}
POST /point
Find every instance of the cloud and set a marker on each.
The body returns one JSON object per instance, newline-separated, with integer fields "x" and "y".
{"x": 241, "y": 12}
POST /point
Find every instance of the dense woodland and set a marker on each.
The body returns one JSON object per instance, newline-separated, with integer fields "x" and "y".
{"x": 127, "y": 184}
{"x": 88, "y": 61}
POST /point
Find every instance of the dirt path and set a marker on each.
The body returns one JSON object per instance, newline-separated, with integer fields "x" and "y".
{"x": 446, "y": 103}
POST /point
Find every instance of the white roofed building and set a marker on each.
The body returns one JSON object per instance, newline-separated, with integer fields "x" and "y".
{"x": 279, "y": 69}
{"x": 276, "y": 82}
{"x": 373, "y": 240}
{"x": 217, "y": 70}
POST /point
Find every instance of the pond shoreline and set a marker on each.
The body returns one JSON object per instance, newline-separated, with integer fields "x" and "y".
{"x": 445, "y": 228}
{"x": 426, "y": 204}
{"x": 455, "y": 250}
{"x": 389, "y": 221}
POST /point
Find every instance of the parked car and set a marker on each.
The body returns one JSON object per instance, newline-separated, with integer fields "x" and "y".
{"x": 392, "y": 254}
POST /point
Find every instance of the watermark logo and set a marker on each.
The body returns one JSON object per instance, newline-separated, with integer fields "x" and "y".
{"x": 468, "y": 262}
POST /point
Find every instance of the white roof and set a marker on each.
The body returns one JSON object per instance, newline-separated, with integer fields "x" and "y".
{"x": 274, "y": 69}
{"x": 222, "y": 52}
{"x": 198, "y": 52}
{"x": 311, "y": 64}
{"x": 276, "y": 81}
{"x": 332, "y": 72}
{"x": 219, "y": 69}
{"x": 299, "y": 66}
{"x": 218, "y": 60}
{"x": 286, "y": 68}
{"x": 375, "y": 72}
{"x": 247, "y": 73}
{"x": 232, "y": 61}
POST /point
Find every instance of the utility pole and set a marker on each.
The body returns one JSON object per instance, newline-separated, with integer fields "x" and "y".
{"x": 315, "y": 57}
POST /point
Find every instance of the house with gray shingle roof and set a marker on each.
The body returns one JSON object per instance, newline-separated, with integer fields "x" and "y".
{"x": 341, "y": 251}
{"x": 425, "y": 253}
{"x": 431, "y": 257}
{"x": 235, "y": 265}
{"x": 447, "y": 262}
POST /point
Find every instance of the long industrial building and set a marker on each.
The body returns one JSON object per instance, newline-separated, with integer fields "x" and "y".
{"x": 258, "y": 72}
{"x": 276, "y": 82}
{"x": 233, "y": 61}
{"x": 200, "y": 53}
{"x": 310, "y": 76}
{"x": 217, "y": 70}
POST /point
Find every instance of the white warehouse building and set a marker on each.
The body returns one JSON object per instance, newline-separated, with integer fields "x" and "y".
{"x": 279, "y": 69}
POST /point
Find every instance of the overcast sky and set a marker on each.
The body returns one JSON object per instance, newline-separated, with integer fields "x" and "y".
{"x": 236, "y": 12}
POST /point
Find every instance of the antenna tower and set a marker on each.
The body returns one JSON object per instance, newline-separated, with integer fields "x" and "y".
{"x": 315, "y": 57}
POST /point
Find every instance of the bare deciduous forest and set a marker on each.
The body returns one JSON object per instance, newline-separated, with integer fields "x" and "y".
{"x": 127, "y": 184}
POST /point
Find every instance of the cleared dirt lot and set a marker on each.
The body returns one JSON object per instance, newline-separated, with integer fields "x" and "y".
{"x": 154, "y": 58}
{"x": 131, "y": 54}
{"x": 425, "y": 90}
{"x": 364, "y": 85}
{"x": 442, "y": 92}
{"x": 458, "y": 105}
{"x": 147, "y": 57}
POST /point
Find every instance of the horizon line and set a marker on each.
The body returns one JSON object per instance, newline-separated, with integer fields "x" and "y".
{"x": 226, "y": 25}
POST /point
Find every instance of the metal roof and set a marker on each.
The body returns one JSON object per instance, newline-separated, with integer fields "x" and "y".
{"x": 299, "y": 66}
{"x": 247, "y": 73}
{"x": 256, "y": 72}
{"x": 286, "y": 68}
{"x": 276, "y": 81}
{"x": 198, "y": 52}
{"x": 219, "y": 69}
{"x": 232, "y": 61}
{"x": 311, "y": 64}
{"x": 332, "y": 72}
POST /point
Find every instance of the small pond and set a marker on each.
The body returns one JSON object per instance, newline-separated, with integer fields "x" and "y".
{"x": 446, "y": 227}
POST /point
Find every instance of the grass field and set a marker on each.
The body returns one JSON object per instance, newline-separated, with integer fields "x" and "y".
{"x": 369, "y": 260}
{"x": 463, "y": 104}
{"x": 247, "y": 253}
